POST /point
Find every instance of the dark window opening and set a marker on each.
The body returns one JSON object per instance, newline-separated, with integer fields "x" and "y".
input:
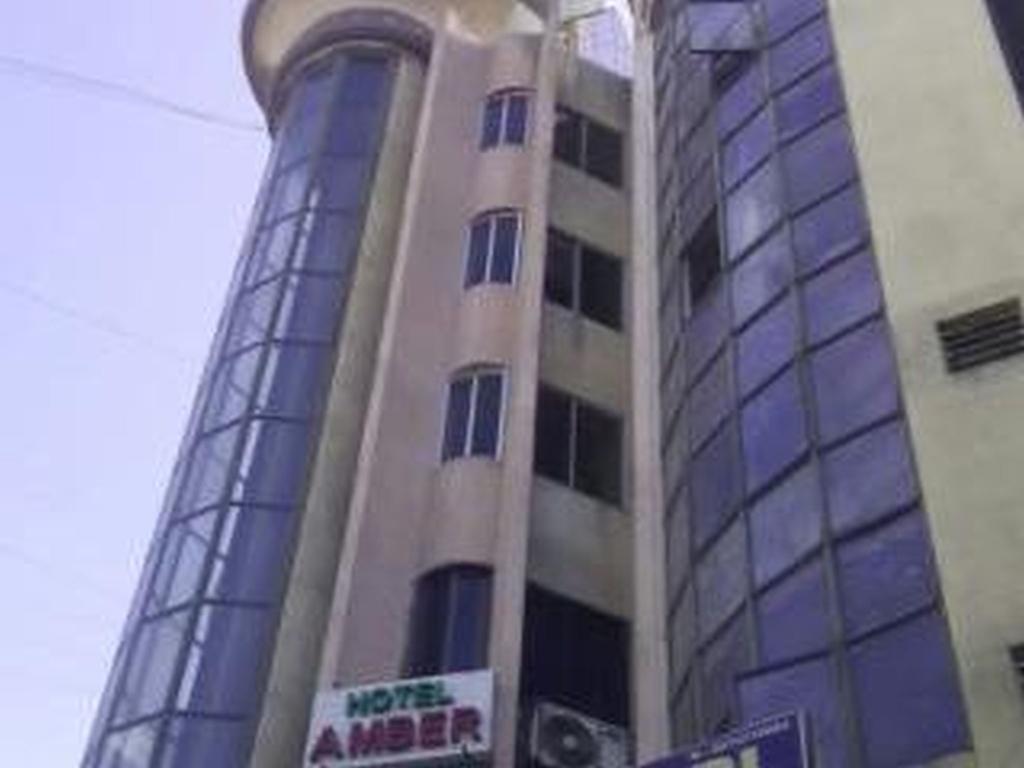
{"x": 1017, "y": 657}
{"x": 593, "y": 147}
{"x": 493, "y": 248}
{"x": 451, "y": 620}
{"x": 1008, "y": 18}
{"x": 702, "y": 262}
{"x": 504, "y": 119}
{"x": 575, "y": 656}
{"x": 473, "y": 421}
{"x": 578, "y": 445}
{"x": 583, "y": 279}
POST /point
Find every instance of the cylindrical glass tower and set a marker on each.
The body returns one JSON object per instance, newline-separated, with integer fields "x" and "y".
{"x": 188, "y": 681}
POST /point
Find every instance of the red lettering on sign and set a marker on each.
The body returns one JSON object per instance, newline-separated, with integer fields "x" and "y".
{"x": 465, "y": 725}
{"x": 365, "y": 742}
{"x": 327, "y": 745}
{"x": 432, "y": 728}
{"x": 401, "y": 733}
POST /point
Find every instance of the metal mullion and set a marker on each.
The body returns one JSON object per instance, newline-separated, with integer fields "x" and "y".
{"x": 181, "y": 662}
{"x": 474, "y": 391}
{"x": 492, "y": 237}
{"x": 573, "y": 447}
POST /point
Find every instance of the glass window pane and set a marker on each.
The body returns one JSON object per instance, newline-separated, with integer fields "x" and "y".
{"x": 885, "y": 574}
{"x": 761, "y": 276}
{"x": 811, "y": 687}
{"x": 684, "y": 718}
{"x": 479, "y": 245}
{"x": 492, "y": 122}
{"x": 841, "y": 296}
{"x": 310, "y": 308}
{"x": 854, "y": 381}
{"x": 272, "y": 250}
{"x": 677, "y": 542}
{"x": 907, "y": 693}
{"x": 515, "y": 119}
{"x": 470, "y": 619}
{"x": 782, "y": 16}
{"x": 151, "y": 668}
{"x": 184, "y": 550}
{"x": 340, "y": 183}
{"x": 428, "y": 625}
{"x": 723, "y": 662}
{"x": 251, "y": 316}
{"x": 273, "y": 463}
{"x": 722, "y": 579}
{"x": 601, "y": 287}
{"x": 207, "y": 478}
{"x": 225, "y": 654}
{"x": 231, "y": 388}
{"x": 487, "y": 419}
{"x": 774, "y": 430}
{"x": 307, "y": 107}
{"x": 829, "y": 230}
{"x": 456, "y": 425}
{"x": 800, "y": 53}
{"x": 193, "y": 741}
{"x": 786, "y": 524}
{"x": 327, "y": 242}
{"x": 741, "y": 99}
{"x": 506, "y": 246}
{"x": 683, "y": 636}
{"x": 292, "y": 380}
{"x": 818, "y": 163}
{"x": 809, "y": 101}
{"x": 767, "y": 345}
{"x": 364, "y": 80}
{"x": 568, "y": 145}
{"x": 130, "y": 748}
{"x": 354, "y": 130}
{"x": 716, "y": 478}
{"x": 288, "y": 192}
{"x": 747, "y": 148}
{"x": 793, "y": 616}
{"x": 869, "y": 476}
{"x": 710, "y": 401}
{"x": 554, "y": 425}
{"x": 706, "y": 330}
{"x": 752, "y": 209}
{"x": 702, "y": 260}
{"x": 598, "y": 470}
{"x": 604, "y": 153}
{"x": 252, "y": 551}
{"x": 558, "y": 269}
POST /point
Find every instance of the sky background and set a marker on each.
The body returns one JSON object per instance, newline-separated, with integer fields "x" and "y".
{"x": 120, "y": 225}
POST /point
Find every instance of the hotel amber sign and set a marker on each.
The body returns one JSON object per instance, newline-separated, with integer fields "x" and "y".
{"x": 422, "y": 719}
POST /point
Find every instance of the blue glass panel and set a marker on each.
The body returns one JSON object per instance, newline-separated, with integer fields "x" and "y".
{"x": 273, "y": 463}
{"x": 194, "y": 741}
{"x": 747, "y": 148}
{"x": 818, "y": 162}
{"x": 292, "y": 379}
{"x": 830, "y": 229}
{"x": 684, "y": 718}
{"x": 717, "y": 482}
{"x": 907, "y": 694}
{"x": 149, "y": 676}
{"x": 793, "y": 616}
{"x": 272, "y": 251}
{"x": 786, "y": 524}
{"x": 130, "y": 748}
{"x": 774, "y": 430}
{"x": 309, "y": 309}
{"x": 340, "y": 183}
{"x": 722, "y": 579}
{"x": 227, "y": 646}
{"x": 799, "y": 53}
{"x": 706, "y": 330}
{"x": 841, "y": 296}
{"x": 809, "y": 102}
{"x": 183, "y": 557}
{"x": 869, "y": 476}
{"x": 304, "y": 117}
{"x": 677, "y": 541}
{"x": 854, "y": 381}
{"x": 783, "y": 16}
{"x": 327, "y": 242}
{"x": 767, "y": 345}
{"x": 364, "y": 80}
{"x": 209, "y": 464}
{"x": 710, "y": 401}
{"x": 251, "y": 316}
{"x": 752, "y": 209}
{"x": 723, "y": 661}
{"x": 353, "y": 130}
{"x": 741, "y": 99}
{"x": 231, "y": 388}
{"x": 288, "y": 192}
{"x": 762, "y": 276}
{"x": 885, "y": 574}
{"x": 811, "y": 687}
{"x": 252, "y": 545}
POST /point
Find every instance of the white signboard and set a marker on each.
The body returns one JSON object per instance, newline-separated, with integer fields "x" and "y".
{"x": 404, "y": 721}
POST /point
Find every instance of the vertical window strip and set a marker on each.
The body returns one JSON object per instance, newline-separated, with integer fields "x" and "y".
{"x": 474, "y": 415}
{"x": 493, "y": 235}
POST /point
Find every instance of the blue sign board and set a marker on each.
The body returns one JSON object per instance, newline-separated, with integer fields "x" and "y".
{"x": 777, "y": 742}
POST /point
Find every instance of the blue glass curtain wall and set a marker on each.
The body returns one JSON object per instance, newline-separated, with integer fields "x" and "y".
{"x": 799, "y": 565}
{"x": 188, "y": 682}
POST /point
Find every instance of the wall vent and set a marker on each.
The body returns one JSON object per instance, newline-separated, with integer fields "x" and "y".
{"x": 982, "y": 335}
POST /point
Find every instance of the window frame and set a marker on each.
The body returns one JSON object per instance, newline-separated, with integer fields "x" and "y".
{"x": 491, "y": 216}
{"x": 474, "y": 374}
{"x": 503, "y": 97}
{"x": 581, "y": 161}
{"x": 578, "y": 246}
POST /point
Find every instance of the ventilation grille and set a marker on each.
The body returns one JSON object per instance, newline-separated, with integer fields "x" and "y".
{"x": 1017, "y": 656}
{"x": 982, "y": 335}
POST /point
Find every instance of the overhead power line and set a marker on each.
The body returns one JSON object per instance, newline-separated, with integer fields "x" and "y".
{"x": 15, "y": 65}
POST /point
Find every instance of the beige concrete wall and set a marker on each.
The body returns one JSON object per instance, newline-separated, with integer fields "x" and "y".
{"x": 940, "y": 140}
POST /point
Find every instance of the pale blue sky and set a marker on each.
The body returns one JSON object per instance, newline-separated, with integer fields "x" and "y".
{"x": 120, "y": 224}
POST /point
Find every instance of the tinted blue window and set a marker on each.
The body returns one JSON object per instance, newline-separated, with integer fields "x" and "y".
{"x": 506, "y": 243}
{"x": 799, "y": 53}
{"x": 818, "y": 163}
{"x": 762, "y": 276}
{"x": 717, "y": 483}
{"x": 830, "y": 229}
{"x": 711, "y": 401}
{"x": 741, "y": 99}
{"x": 721, "y": 579}
{"x": 707, "y": 329}
{"x": 683, "y": 636}
{"x": 340, "y": 183}
{"x": 249, "y": 538}
{"x": 231, "y": 388}
{"x": 808, "y": 102}
{"x": 782, "y": 16}
{"x": 786, "y": 524}
{"x": 774, "y": 430}
{"x": 793, "y": 616}
{"x": 747, "y": 148}
{"x": 457, "y": 422}
{"x": 179, "y": 573}
{"x": 767, "y": 345}
{"x": 487, "y": 420}
{"x": 292, "y": 380}
{"x": 273, "y": 463}
{"x": 726, "y": 658}
{"x": 308, "y": 309}
{"x": 752, "y": 209}
{"x": 327, "y": 243}
{"x": 842, "y": 295}
{"x": 907, "y": 693}
{"x": 198, "y": 741}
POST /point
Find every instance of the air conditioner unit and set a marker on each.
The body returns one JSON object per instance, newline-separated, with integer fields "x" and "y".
{"x": 562, "y": 738}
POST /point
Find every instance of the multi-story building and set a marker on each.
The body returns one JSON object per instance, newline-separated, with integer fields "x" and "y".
{"x": 676, "y": 403}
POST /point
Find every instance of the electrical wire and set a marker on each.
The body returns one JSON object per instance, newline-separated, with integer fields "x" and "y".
{"x": 15, "y": 65}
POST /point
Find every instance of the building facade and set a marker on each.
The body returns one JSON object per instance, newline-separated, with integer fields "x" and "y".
{"x": 676, "y": 403}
